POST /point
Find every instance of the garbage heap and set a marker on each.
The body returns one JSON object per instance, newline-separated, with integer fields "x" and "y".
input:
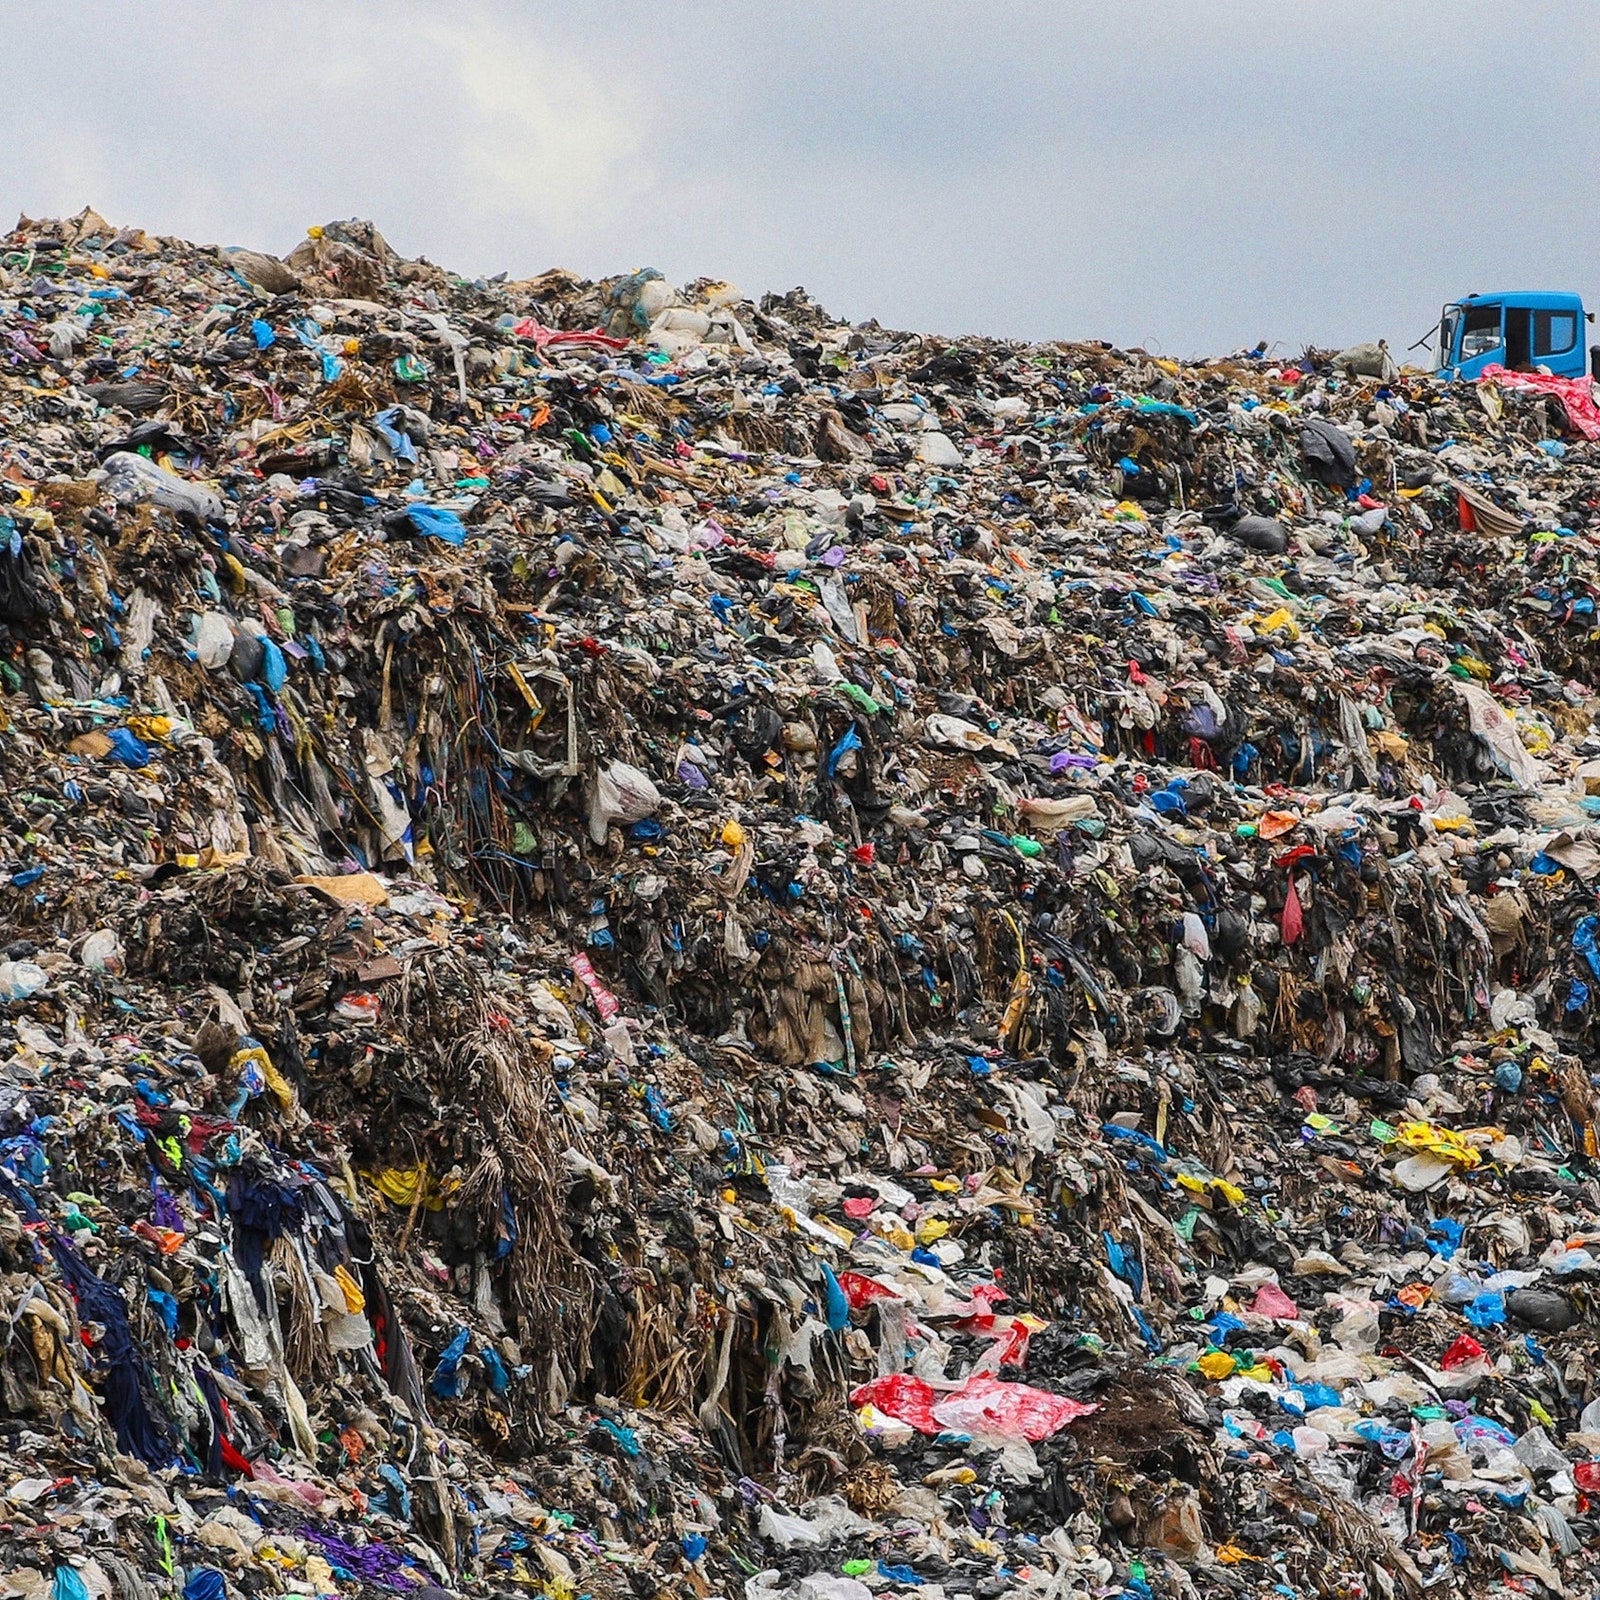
{"x": 657, "y": 945}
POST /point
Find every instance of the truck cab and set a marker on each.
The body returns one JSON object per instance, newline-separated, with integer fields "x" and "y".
{"x": 1523, "y": 331}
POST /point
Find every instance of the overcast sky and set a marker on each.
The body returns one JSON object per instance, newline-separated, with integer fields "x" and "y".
{"x": 1190, "y": 176}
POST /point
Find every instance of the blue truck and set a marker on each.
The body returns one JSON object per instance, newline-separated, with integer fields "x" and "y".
{"x": 1521, "y": 331}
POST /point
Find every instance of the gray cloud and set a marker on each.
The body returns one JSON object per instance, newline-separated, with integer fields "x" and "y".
{"x": 1193, "y": 176}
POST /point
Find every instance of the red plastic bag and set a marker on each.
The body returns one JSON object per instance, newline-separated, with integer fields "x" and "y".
{"x": 1011, "y": 1343}
{"x": 359, "y": 1006}
{"x": 1293, "y": 918}
{"x": 979, "y": 1311}
{"x": 982, "y": 1405}
{"x": 861, "y": 1291}
{"x": 1462, "y": 1353}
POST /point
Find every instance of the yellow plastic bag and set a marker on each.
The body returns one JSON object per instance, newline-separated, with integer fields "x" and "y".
{"x": 1440, "y": 1142}
{"x": 1280, "y": 620}
{"x": 400, "y": 1185}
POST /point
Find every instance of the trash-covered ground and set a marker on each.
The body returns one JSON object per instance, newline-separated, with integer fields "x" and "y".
{"x": 654, "y": 945}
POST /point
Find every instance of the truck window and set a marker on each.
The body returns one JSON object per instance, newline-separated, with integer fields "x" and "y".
{"x": 1519, "y": 338}
{"x": 1481, "y": 332}
{"x": 1447, "y": 337}
{"x": 1554, "y": 332}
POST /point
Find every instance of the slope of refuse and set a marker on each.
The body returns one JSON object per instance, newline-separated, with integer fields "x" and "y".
{"x": 651, "y": 944}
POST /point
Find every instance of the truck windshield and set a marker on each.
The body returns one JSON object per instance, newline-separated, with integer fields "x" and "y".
{"x": 1447, "y": 335}
{"x": 1481, "y": 333}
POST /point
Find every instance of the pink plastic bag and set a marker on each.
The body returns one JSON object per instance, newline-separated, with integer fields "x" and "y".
{"x": 605, "y": 1002}
{"x": 1575, "y": 394}
{"x": 1271, "y": 1301}
{"x": 587, "y": 339}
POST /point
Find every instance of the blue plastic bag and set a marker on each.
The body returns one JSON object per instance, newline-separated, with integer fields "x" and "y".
{"x": 1584, "y": 942}
{"x": 1488, "y": 1310}
{"x": 836, "y": 1303}
{"x": 205, "y": 1583}
{"x": 850, "y": 741}
{"x": 397, "y": 441}
{"x": 128, "y": 748}
{"x": 437, "y": 523}
{"x": 447, "y": 1382}
{"x": 274, "y": 669}
{"x": 499, "y": 1378}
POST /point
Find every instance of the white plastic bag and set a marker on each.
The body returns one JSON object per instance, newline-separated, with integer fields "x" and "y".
{"x": 788, "y": 1533}
{"x": 1045, "y": 813}
{"x": 621, "y": 794}
{"x": 212, "y": 640}
{"x": 958, "y": 733}
{"x": 102, "y": 952}
{"x": 133, "y": 480}
{"x": 938, "y": 450}
{"x": 21, "y": 980}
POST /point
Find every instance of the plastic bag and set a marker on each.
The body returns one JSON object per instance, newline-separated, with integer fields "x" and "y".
{"x": 1177, "y": 1531}
{"x": 621, "y": 794}
{"x": 769, "y": 1585}
{"x": 1357, "y": 1331}
{"x": 605, "y": 1002}
{"x": 128, "y": 748}
{"x": 1456, "y": 1289}
{"x": 359, "y": 1006}
{"x": 1482, "y": 1439}
{"x": 860, "y": 1289}
{"x": 1462, "y": 1353}
{"x": 1247, "y": 1012}
{"x": 212, "y": 640}
{"x": 939, "y": 450}
{"x": 1047, "y": 814}
{"x": 1271, "y": 1301}
{"x": 102, "y": 952}
{"x": 788, "y": 1533}
{"x": 832, "y": 1517}
{"x": 891, "y": 1337}
{"x": 957, "y": 733}
{"x": 133, "y": 480}
{"x": 21, "y": 980}
{"x": 1539, "y": 1453}
{"x": 1015, "y": 1459}
{"x": 274, "y": 669}
{"x": 438, "y": 523}
{"x": 981, "y": 1406}
{"x": 1445, "y": 1455}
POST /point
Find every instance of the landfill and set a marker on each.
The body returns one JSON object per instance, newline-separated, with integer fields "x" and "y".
{"x": 653, "y": 944}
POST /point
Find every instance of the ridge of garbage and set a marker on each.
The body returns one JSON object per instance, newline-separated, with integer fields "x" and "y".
{"x": 651, "y": 944}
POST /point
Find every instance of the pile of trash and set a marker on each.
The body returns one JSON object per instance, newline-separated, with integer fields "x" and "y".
{"x": 651, "y": 944}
